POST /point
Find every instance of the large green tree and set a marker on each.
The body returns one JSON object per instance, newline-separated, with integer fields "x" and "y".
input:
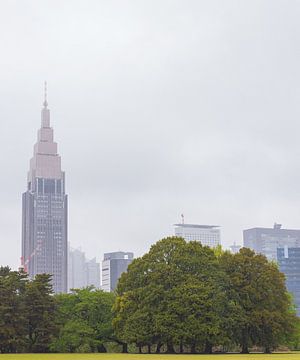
{"x": 264, "y": 314}
{"x": 172, "y": 296}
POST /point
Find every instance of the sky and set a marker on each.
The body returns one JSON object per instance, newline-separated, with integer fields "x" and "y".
{"x": 159, "y": 107}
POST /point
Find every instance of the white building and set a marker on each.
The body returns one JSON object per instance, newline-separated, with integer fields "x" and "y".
{"x": 207, "y": 234}
{"x": 81, "y": 271}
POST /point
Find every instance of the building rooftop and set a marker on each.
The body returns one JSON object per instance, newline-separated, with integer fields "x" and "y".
{"x": 197, "y": 226}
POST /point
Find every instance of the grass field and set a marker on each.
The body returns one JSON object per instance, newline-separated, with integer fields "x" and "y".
{"x": 291, "y": 356}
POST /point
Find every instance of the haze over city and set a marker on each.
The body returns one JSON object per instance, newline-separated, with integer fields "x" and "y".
{"x": 158, "y": 108}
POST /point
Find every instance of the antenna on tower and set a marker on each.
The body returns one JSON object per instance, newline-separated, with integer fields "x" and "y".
{"x": 182, "y": 219}
{"x": 45, "y": 94}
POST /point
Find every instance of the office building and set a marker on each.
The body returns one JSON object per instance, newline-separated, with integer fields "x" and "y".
{"x": 207, "y": 234}
{"x": 113, "y": 265}
{"x": 289, "y": 263}
{"x": 267, "y": 240}
{"x": 81, "y": 271}
{"x": 45, "y": 210}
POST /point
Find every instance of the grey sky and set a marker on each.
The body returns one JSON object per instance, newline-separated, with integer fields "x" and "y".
{"x": 159, "y": 108}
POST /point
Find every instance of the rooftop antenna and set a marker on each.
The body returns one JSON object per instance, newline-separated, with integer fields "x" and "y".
{"x": 45, "y": 94}
{"x": 182, "y": 219}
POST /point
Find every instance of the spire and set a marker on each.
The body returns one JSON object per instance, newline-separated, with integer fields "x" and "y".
{"x": 45, "y": 110}
{"x": 45, "y": 103}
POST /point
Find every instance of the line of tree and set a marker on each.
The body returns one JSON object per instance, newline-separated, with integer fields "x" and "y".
{"x": 179, "y": 297}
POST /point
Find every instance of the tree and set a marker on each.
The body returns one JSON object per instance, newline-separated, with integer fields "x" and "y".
{"x": 177, "y": 287}
{"x": 41, "y": 309}
{"x": 264, "y": 315}
{"x": 12, "y": 310}
{"x": 84, "y": 318}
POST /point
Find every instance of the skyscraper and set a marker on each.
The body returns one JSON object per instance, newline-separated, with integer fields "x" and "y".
{"x": 45, "y": 210}
{"x": 113, "y": 265}
{"x": 208, "y": 235}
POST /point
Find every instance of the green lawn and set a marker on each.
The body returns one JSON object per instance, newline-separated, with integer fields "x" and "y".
{"x": 291, "y": 356}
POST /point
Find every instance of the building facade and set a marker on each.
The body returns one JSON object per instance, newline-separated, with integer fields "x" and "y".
{"x": 289, "y": 263}
{"x": 208, "y": 235}
{"x": 113, "y": 265}
{"x": 266, "y": 241}
{"x": 45, "y": 210}
{"x": 81, "y": 271}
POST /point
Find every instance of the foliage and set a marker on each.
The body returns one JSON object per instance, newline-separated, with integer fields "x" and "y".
{"x": 84, "y": 318}
{"x": 185, "y": 295}
{"x": 40, "y": 307}
{"x": 172, "y": 295}
{"x": 26, "y": 312}
{"x": 257, "y": 289}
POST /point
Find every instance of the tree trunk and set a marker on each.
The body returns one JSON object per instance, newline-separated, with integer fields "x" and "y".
{"x": 140, "y": 349}
{"x": 158, "y": 346}
{"x": 124, "y": 348}
{"x": 181, "y": 348}
{"x": 101, "y": 349}
{"x": 193, "y": 348}
{"x": 208, "y": 348}
{"x": 245, "y": 349}
{"x": 149, "y": 349}
{"x": 170, "y": 348}
{"x": 268, "y": 350}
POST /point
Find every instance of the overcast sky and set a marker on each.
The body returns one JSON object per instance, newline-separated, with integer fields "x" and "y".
{"x": 159, "y": 107}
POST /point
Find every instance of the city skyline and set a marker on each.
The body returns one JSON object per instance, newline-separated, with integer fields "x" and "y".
{"x": 159, "y": 109}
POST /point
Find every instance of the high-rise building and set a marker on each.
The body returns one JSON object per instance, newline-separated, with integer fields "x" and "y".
{"x": 289, "y": 263}
{"x": 208, "y": 235}
{"x": 76, "y": 269}
{"x": 92, "y": 268}
{"x": 81, "y": 271}
{"x": 267, "y": 240}
{"x": 113, "y": 265}
{"x": 45, "y": 210}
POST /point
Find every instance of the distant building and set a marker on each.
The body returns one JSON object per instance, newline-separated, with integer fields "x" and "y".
{"x": 283, "y": 246}
{"x": 207, "y": 234}
{"x": 45, "y": 210}
{"x": 235, "y": 248}
{"x": 76, "y": 269}
{"x": 267, "y": 240}
{"x": 93, "y": 273}
{"x": 82, "y": 272}
{"x": 289, "y": 263}
{"x": 113, "y": 265}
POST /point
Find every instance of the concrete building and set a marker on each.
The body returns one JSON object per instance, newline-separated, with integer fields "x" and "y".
{"x": 82, "y": 272}
{"x": 267, "y": 240}
{"x": 289, "y": 263}
{"x": 207, "y": 234}
{"x": 45, "y": 210}
{"x": 113, "y": 265}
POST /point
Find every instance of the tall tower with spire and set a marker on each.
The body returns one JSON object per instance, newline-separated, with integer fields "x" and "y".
{"x": 45, "y": 210}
